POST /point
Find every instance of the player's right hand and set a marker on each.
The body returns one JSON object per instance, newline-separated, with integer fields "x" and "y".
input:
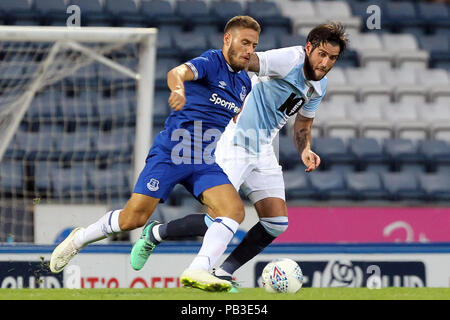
{"x": 177, "y": 99}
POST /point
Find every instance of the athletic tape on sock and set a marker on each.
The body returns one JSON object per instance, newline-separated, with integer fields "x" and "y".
{"x": 275, "y": 225}
{"x": 208, "y": 220}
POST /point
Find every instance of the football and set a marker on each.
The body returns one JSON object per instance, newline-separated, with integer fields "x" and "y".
{"x": 282, "y": 275}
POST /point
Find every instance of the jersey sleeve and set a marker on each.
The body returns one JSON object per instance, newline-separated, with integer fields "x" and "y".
{"x": 278, "y": 63}
{"x": 203, "y": 65}
{"x": 309, "y": 109}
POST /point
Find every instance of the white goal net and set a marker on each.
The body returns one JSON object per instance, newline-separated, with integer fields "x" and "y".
{"x": 75, "y": 118}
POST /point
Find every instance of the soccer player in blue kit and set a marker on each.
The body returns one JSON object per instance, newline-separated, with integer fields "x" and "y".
{"x": 206, "y": 92}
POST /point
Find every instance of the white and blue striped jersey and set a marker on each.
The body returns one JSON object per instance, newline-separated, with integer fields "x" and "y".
{"x": 279, "y": 91}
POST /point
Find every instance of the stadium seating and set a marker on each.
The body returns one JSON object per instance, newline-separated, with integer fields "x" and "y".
{"x": 365, "y": 186}
{"x": 435, "y": 15}
{"x": 19, "y": 12}
{"x": 439, "y": 47}
{"x": 11, "y": 176}
{"x": 404, "y": 84}
{"x": 69, "y": 183}
{"x": 338, "y": 88}
{"x": 400, "y": 15}
{"x": 108, "y": 183}
{"x": 159, "y": 13}
{"x": 437, "y": 116}
{"x": 75, "y": 145}
{"x": 71, "y": 108}
{"x": 291, "y": 40}
{"x": 368, "y": 152}
{"x": 125, "y": 13}
{"x": 288, "y": 154}
{"x": 225, "y": 10}
{"x": 268, "y": 14}
{"x": 93, "y": 13}
{"x": 329, "y": 185}
{"x": 436, "y": 153}
{"x": 161, "y": 107}
{"x": 297, "y": 184}
{"x": 370, "y": 49}
{"x": 436, "y": 186}
{"x": 405, "y": 121}
{"x": 402, "y": 186}
{"x": 371, "y": 120}
{"x": 194, "y": 13}
{"x": 163, "y": 66}
{"x": 115, "y": 107}
{"x": 115, "y": 142}
{"x": 369, "y": 83}
{"x": 332, "y": 150}
{"x": 382, "y": 131}
{"x": 52, "y": 12}
{"x": 403, "y": 151}
{"x": 190, "y": 45}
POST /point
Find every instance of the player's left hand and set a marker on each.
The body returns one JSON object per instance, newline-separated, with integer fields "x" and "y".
{"x": 310, "y": 159}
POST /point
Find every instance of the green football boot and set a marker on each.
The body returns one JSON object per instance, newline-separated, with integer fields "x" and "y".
{"x": 144, "y": 247}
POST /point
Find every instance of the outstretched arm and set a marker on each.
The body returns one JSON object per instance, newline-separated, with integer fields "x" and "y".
{"x": 302, "y": 141}
{"x": 175, "y": 81}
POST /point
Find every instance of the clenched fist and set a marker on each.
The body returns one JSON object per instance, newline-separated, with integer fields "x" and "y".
{"x": 177, "y": 99}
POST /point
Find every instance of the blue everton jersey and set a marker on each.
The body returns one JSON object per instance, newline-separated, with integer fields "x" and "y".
{"x": 214, "y": 96}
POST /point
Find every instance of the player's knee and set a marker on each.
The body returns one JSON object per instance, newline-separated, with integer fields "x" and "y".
{"x": 239, "y": 212}
{"x": 275, "y": 226}
{"x": 234, "y": 211}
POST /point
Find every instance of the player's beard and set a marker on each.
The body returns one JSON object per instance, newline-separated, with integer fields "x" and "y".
{"x": 309, "y": 70}
{"x": 233, "y": 58}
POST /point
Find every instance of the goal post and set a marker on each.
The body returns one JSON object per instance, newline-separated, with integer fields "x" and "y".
{"x": 36, "y": 63}
{"x": 71, "y": 37}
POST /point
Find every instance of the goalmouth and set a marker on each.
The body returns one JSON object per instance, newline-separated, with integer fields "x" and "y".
{"x": 64, "y": 77}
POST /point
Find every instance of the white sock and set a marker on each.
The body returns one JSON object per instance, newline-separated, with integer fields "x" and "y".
{"x": 221, "y": 272}
{"x": 215, "y": 242}
{"x": 104, "y": 227}
{"x": 155, "y": 232}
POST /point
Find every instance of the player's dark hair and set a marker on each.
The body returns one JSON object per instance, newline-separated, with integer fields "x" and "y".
{"x": 332, "y": 33}
{"x": 242, "y": 22}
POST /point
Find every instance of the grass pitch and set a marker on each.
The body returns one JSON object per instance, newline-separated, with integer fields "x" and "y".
{"x": 245, "y": 294}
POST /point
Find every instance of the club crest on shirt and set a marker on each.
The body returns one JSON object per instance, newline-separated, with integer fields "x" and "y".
{"x": 243, "y": 93}
{"x": 153, "y": 185}
{"x": 310, "y": 92}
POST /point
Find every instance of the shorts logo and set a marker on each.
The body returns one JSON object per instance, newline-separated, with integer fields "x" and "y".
{"x": 153, "y": 185}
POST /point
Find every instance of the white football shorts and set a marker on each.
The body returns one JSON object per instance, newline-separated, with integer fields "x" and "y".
{"x": 258, "y": 175}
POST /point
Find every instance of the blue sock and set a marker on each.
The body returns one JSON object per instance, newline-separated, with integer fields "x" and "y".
{"x": 192, "y": 225}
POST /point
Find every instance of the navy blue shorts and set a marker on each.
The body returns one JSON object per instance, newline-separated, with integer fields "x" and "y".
{"x": 161, "y": 174}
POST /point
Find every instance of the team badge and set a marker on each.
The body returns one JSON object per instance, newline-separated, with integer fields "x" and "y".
{"x": 310, "y": 92}
{"x": 243, "y": 93}
{"x": 153, "y": 185}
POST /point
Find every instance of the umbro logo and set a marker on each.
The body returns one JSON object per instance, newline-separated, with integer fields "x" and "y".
{"x": 222, "y": 84}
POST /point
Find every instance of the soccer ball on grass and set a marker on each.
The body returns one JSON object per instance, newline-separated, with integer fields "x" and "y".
{"x": 282, "y": 275}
